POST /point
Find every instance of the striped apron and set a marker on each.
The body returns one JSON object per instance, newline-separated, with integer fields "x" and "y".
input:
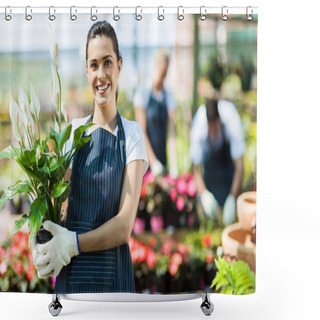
{"x": 94, "y": 198}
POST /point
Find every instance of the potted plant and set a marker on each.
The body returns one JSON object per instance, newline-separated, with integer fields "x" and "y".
{"x": 45, "y": 161}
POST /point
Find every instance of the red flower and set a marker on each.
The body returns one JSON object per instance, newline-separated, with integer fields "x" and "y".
{"x": 209, "y": 257}
{"x": 152, "y": 241}
{"x": 180, "y": 203}
{"x": 151, "y": 258}
{"x": 144, "y": 190}
{"x": 30, "y": 272}
{"x": 19, "y": 267}
{"x": 206, "y": 240}
{"x": 175, "y": 262}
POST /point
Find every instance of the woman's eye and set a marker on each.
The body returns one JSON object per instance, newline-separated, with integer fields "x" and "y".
{"x": 94, "y": 66}
{"x": 107, "y": 63}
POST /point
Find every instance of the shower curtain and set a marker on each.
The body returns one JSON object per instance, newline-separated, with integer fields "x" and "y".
{"x": 189, "y": 81}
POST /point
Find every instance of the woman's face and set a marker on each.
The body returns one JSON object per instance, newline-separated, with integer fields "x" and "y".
{"x": 103, "y": 69}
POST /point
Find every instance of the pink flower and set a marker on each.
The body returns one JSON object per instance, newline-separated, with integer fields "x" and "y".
{"x": 181, "y": 186}
{"x": 3, "y": 268}
{"x": 167, "y": 247}
{"x": 181, "y": 248}
{"x": 173, "y": 194}
{"x": 192, "y": 188}
{"x": 156, "y": 223}
{"x": 53, "y": 279}
{"x": 139, "y": 226}
{"x": 148, "y": 177}
{"x": 180, "y": 203}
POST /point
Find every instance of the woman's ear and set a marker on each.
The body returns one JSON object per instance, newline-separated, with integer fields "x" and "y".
{"x": 119, "y": 64}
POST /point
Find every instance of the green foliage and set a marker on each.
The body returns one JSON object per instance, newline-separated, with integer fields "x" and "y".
{"x": 45, "y": 164}
{"x": 234, "y": 278}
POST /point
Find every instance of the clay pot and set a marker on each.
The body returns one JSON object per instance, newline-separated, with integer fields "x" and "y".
{"x": 246, "y": 211}
{"x": 237, "y": 245}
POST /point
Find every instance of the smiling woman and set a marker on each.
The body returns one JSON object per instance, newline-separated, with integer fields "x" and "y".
{"x": 92, "y": 252}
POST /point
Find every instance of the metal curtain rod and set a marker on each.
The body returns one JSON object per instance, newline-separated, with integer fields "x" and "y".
{"x": 139, "y": 11}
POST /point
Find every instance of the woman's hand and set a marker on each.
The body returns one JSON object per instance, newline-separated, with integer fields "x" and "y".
{"x": 52, "y": 256}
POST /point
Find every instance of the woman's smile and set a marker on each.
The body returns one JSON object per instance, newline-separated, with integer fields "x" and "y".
{"x": 102, "y": 88}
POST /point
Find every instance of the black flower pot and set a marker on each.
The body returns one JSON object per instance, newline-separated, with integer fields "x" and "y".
{"x": 43, "y": 236}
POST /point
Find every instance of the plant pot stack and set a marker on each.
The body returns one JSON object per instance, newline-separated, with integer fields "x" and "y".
{"x": 239, "y": 239}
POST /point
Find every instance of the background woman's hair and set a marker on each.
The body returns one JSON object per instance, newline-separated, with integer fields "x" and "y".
{"x": 103, "y": 28}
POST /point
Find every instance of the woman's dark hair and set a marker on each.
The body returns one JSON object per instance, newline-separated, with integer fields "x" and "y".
{"x": 103, "y": 28}
{"x": 212, "y": 109}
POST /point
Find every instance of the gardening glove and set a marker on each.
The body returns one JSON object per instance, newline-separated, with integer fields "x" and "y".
{"x": 157, "y": 168}
{"x": 229, "y": 210}
{"x": 209, "y": 203}
{"x": 174, "y": 173}
{"x": 57, "y": 252}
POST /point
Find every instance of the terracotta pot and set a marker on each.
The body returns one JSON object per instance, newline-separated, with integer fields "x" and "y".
{"x": 246, "y": 211}
{"x": 43, "y": 236}
{"x": 237, "y": 245}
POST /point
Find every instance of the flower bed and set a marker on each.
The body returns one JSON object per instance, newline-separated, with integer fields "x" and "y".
{"x": 166, "y": 202}
{"x": 183, "y": 262}
{"x": 17, "y": 271}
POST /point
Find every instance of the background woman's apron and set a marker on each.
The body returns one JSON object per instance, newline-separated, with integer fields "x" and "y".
{"x": 218, "y": 169}
{"x": 94, "y": 198}
{"x": 157, "y": 121}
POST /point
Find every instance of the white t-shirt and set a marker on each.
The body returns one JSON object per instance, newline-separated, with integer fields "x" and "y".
{"x": 141, "y": 98}
{"x": 135, "y": 145}
{"x": 231, "y": 121}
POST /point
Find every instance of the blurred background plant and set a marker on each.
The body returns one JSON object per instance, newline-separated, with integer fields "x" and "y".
{"x": 17, "y": 271}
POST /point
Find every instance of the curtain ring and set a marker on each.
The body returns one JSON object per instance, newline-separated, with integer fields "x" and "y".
{"x": 138, "y": 16}
{"x": 28, "y": 16}
{"x": 203, "y": 13}
{"x": 160, "y": 16}
{"x": 248, "y": 15}
{"x": 51, "y": 16}
{"x": 116, "y": 17}
{"x": 224, "y": 13}
{"x": 73, "y": 16}
{"x": 93, "y": 16}
{"x": 7, "y": 16}
{"x": 180, "y": 15}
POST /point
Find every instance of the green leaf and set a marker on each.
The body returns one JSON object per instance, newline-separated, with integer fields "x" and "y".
{"x": 59, "y": 188}
{"x": 19, "y": 187}
{"x": 10, "y": 152}
{"x": 61, "y": 137}
{"x": 37, "y": 211}
{"x": 77, "y": 136}
{"x": 235, "y": 278}
{"x": 32, "y": 174}
{"x": 28, "y": 158}
{"x": 18, "y": 224}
